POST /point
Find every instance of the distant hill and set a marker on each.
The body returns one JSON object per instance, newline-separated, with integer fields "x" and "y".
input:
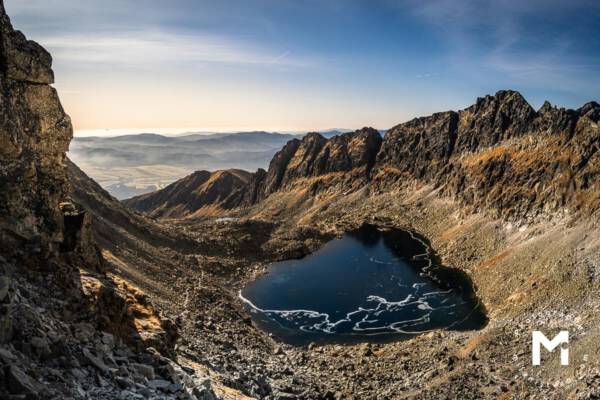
{"x": 131, "y": 165}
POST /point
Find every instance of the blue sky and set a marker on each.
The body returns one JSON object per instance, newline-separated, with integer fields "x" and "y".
{"x": 302, "y": 65}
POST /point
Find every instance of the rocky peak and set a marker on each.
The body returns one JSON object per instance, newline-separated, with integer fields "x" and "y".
{"x": 303, "y": 163}
{"x": 277, "y": 168}
{"x": 590, "y": 110}
{"x": 362, "y": 146}
{"x": 552, "y": 119}
{"x": 185, "y": 197}
{"x": 492, "y": 119}
{"x": 546, "y": 108}
{"x": 314, "y": 155}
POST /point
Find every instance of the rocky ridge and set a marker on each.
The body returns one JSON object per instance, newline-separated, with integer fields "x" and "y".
{"x": 220, "y": 190}
{"x": 498, "y": 155}
{"x": 312, "y": 156}
{"x": 501, "y": 156}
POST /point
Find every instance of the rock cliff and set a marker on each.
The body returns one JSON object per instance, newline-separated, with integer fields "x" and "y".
{"x": 64, "y": 321}
{"x": 501, "y": 156}
{"x": 314, "y": 156}
{"x": 34, "y": 136}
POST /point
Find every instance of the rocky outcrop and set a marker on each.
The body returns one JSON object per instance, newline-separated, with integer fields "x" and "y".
{"x": 420, "y": 146}
{"x": 278, "y": 167}
{"x": 34, "y": 136}
{"x": 67, "y": 330}
{"x": 315, "y": 156}
{"x": 502, "y": 157}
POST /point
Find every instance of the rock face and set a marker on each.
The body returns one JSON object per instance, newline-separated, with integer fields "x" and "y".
{"x": 501, "y": 156}
{"x": 55, "y": 299}
{"x": 419, "y": 145}
{"x": 221, "y": 190}
{"x": 314, "y": 156}
{"x": 34, "y": 136}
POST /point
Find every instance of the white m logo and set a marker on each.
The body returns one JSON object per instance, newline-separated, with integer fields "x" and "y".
{"x": 539, "y": 339}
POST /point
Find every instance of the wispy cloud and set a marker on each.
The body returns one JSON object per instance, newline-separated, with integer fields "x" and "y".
{"x": 518, "y": 39}
{"x": 151, "y": 48}
{"x": 428, "y": 75}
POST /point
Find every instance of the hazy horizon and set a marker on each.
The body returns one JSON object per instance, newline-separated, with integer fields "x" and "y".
{"x": 302, "y": 66}
{"x": 112, "y": 132}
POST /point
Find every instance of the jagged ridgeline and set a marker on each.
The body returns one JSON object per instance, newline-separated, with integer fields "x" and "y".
{"x": 498, "y": 155}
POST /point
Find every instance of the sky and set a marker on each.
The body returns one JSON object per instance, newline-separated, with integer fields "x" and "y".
{"x": 283, "y": 65}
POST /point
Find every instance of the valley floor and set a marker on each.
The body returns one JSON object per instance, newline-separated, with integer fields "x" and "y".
{"x": 541, "y": 276}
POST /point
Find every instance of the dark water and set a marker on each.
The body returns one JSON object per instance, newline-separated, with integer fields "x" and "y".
{"x": 369, "y": 285}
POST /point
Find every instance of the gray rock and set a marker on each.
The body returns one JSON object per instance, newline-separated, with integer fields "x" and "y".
{"x": 203, "y": 389}
{"x": 108, "y": 339}
{"x": 124, "y": 383}
{"x": 7, "y": 356}
{"x": 143, "y": 369}
{"x": 21, "y": 383}
{"x": 41, "y": 344}
{"x": 79, "y": 373}
{"x": 175, "y": 387}
{"x": 4, "y": 286}
{"x": 127, "y": 395}
{"x": 159, "y": 384}
{"x": 95, "y": 361}
{"x": 143, "y": 390}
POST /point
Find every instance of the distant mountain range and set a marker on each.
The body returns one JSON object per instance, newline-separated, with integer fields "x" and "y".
{"x": 132, "y": 165}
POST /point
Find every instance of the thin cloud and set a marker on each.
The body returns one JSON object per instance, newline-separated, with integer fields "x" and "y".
{"x": 499, "y": 36}
{"x": 151, "y": 48}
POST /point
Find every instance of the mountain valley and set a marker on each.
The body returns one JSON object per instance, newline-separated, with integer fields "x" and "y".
{"x": 139, "y": 299}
